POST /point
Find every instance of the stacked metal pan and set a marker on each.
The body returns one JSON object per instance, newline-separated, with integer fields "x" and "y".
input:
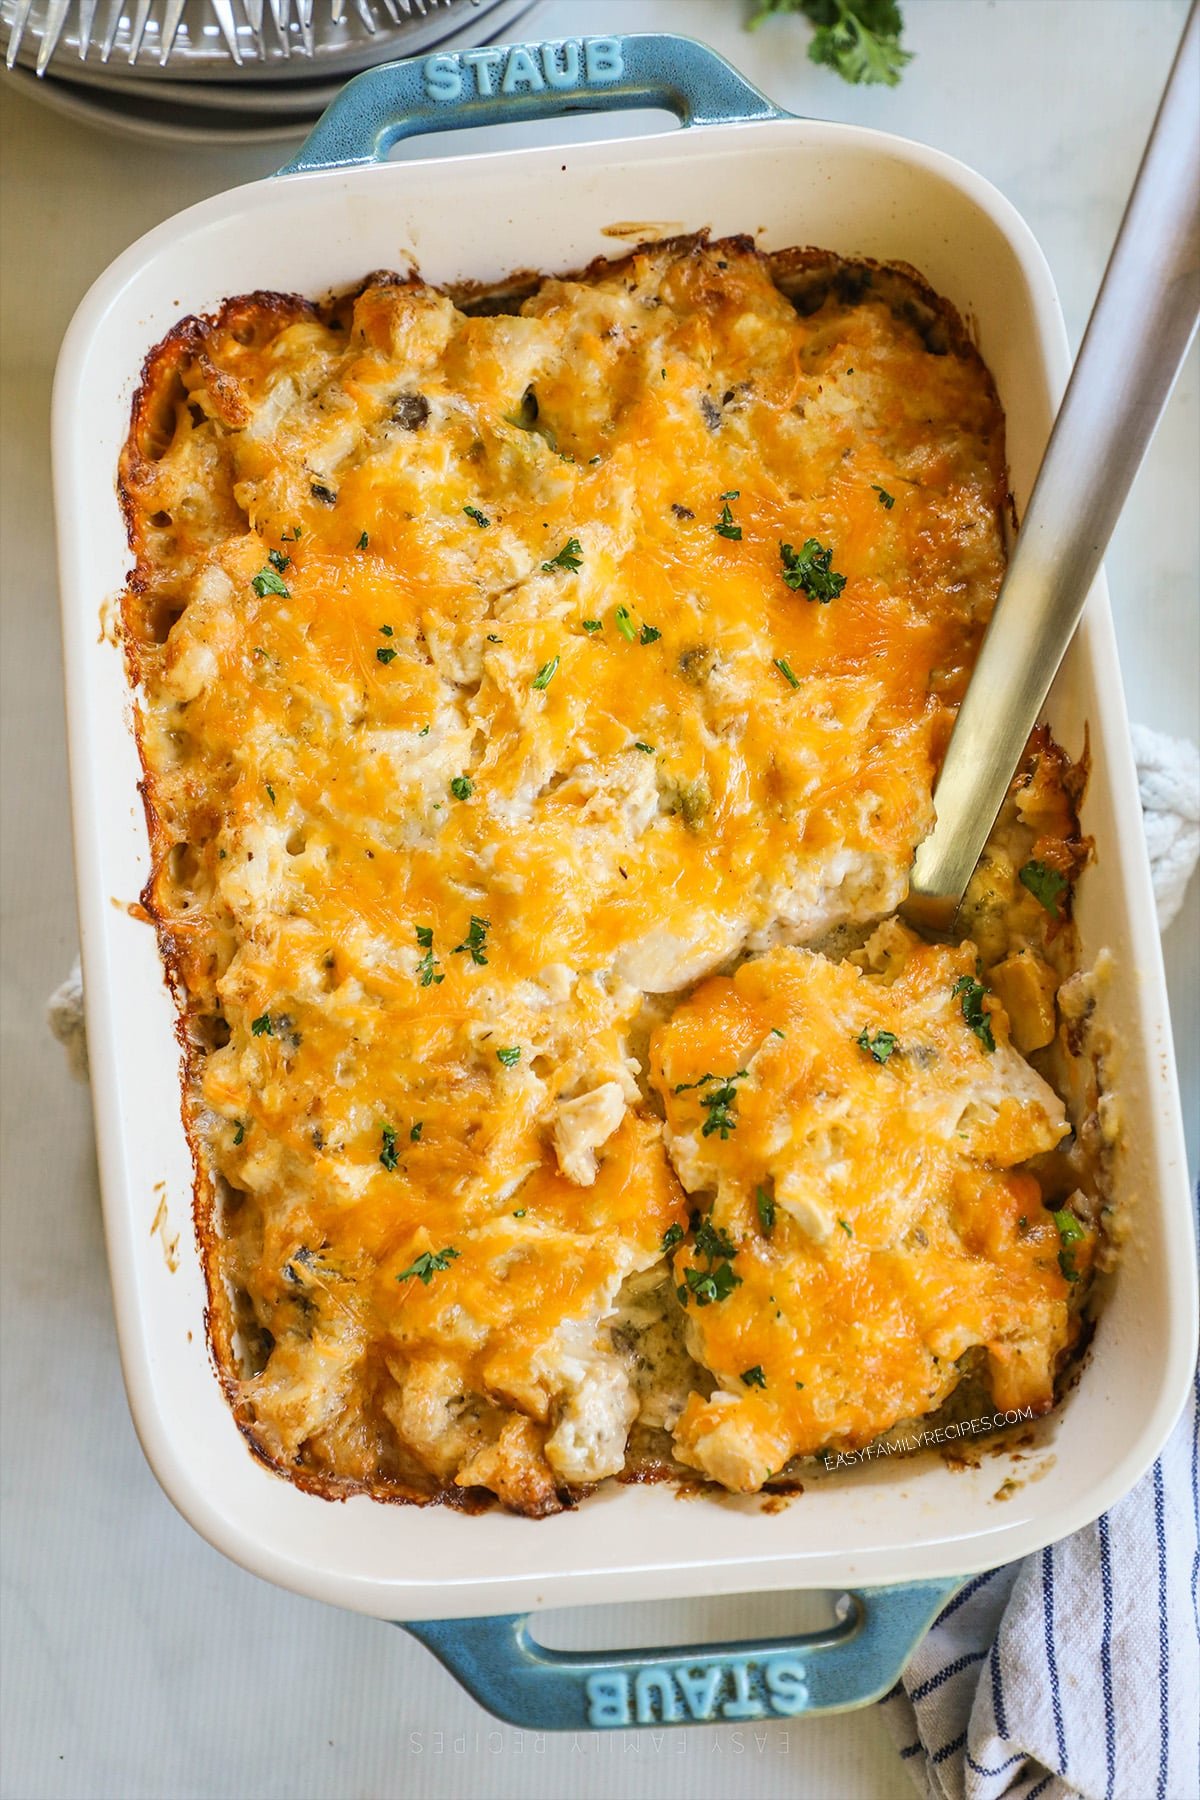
{"x": 223, "y": 71}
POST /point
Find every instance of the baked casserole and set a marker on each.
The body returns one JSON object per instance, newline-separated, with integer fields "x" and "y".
{"x": 540, "y": 698}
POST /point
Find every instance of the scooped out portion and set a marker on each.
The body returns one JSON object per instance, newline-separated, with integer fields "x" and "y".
{"x": 852, "y": 1133}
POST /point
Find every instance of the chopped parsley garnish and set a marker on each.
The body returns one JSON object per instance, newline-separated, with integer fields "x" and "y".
{"x": 714, "y": 1243}
{"x": 569, "y": 557}
{"x": 973, "y": 1012}
{"x": 685, "y": 1087}
{"x": 270, "y": 792}
{"x": 1070, "y": 1232}
{"x": 363, "y": 542}
{"x": 649, "y": 634}
{"x": 462, "y": 787}
{"x": 240, "y": 1133}
{"x": 387, "y": 631}
{"x": 775, "y": 1032}
{"x": 719, "y": 1105}
{"x": 1045, "y": 884}
{"x": 718, "y": 1281}
{"x": 880, "y": 1046}
{"x": 481, "y": 519}
{"x": 765, "y": 1201}
{"x": 786, "y": 670}
{"x": 725, "y": 526}
{"x": 885, "y": 499}
{"x": 429, "y": 1264}
{"x": 262, "y": 1026}
{"x": 625, "y": 624}
{"x": 545, "y": 674}
{"x": 389, "y": 1156}
{"x": 278, "y": 560}
{"x": 671, "y": 1237}
{"x": 267, "y": 582}
{"x": 846, "y": 1227}
{"x": 520, "y": 1212}
{"x": 648, "y": 749}
{"x": 386, "y": 655}
{"x": 427, "y": 973}
{"x": 592, "y": 624}
{"x": 706, "y": 1287}
{"x": 415, "y": 1131}
{"x": 494, "y": 638}
{"x": 807, "y": 570}
{"x": 475, "y": 941}
{"x": 510, "y": 1056}
{"x": 754, "y": 1377}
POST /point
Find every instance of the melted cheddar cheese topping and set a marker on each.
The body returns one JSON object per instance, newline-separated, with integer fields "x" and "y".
{"x": 490, "y": 701}
{"x": 858, "y": 1141}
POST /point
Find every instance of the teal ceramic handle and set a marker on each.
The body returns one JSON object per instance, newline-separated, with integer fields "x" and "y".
{"x": 850, "y": 1664}
{"x": 505, "y": 82}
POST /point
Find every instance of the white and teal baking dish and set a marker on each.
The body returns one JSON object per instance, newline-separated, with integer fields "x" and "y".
{"x": 898, "y": 1536}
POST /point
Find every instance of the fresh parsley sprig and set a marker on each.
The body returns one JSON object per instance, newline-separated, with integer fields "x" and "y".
{"x": 858, "y": 39}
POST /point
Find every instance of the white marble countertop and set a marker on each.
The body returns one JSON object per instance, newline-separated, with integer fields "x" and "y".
{"x": 136, "y": 1661}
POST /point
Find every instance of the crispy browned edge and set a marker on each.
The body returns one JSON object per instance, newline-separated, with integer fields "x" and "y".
{"x": 806, "y": 277}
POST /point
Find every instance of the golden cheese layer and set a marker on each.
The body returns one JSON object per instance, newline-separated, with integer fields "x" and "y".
{"x": 504, "y": 675}
{"x": 867, "y": 1227}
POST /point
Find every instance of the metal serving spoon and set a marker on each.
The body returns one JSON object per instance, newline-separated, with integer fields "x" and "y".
{"x": 1137, "y": 337}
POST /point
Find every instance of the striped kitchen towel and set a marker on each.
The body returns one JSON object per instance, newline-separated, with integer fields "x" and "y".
{"x": 1076, "y": 1671}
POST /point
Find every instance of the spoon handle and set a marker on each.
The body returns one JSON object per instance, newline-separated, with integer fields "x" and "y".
{"x": 1136, "y": 339}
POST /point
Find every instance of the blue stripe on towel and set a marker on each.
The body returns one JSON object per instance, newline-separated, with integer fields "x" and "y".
{"x": 1110, "y": 1745}
{"x": 1060, "y": 1737}
{"x": 939, "y": 1756}
{"x": 945, "y": 1674}
{"x": 911, "y": 1750}
{"x": 1041, "y": 1787}
{"x": 981, "y": 1770}
{"x": 1163, "y": 1667}
{"x": 965, "y": 1594}
{"x": 998, "y": 1695}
